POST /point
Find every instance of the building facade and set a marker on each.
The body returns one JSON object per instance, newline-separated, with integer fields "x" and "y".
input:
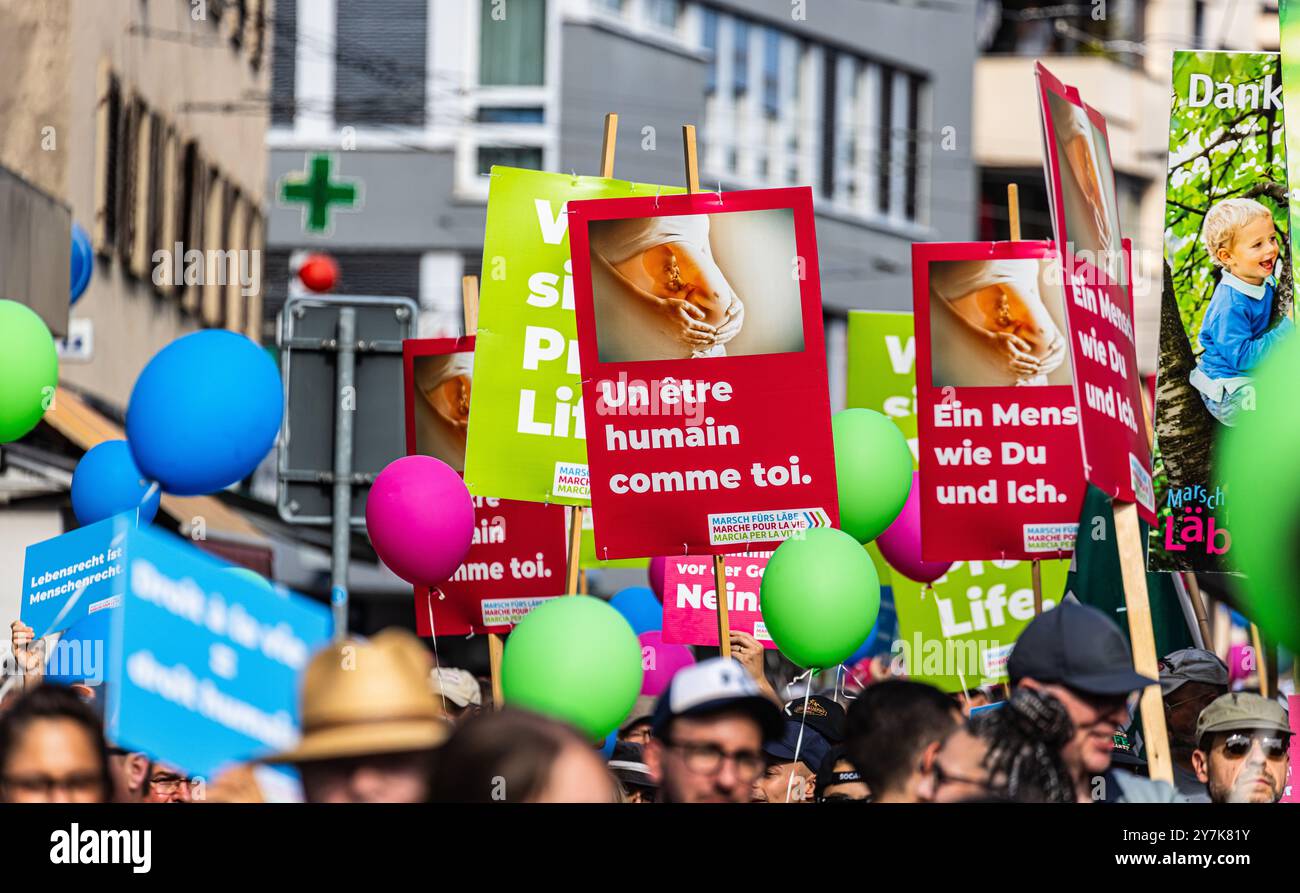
{"x": 868, "y": 103}
{"x": 132, "y": 120}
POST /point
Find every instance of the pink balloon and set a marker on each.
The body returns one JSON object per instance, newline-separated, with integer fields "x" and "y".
{"x": 660, "y": 661}
{"x": 420, "y": 519}
{"x": 656, "y": 572}
{"x": 901, "y": 542}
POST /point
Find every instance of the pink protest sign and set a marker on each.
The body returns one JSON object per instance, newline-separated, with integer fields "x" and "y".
{"x": 690, "y": 598}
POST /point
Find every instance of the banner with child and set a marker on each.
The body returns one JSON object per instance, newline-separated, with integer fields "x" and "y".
{"x": 1227, "y": 289}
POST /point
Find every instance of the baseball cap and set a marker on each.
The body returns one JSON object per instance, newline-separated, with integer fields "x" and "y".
{"x": 457, "y": 686}
{"x": 822, "y": 713}
{"x": 812, "y": 750}
{"x": 1241, "y": 710}
{"x": 1191, "y": 665}
{"x": 712, "y": 686}
{"x": 1078, "y": 646}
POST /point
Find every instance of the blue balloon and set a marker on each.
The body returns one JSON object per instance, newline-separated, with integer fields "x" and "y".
{"x": 868, "y": 644}
{"x": 204, "y": 412}
{"x": 640, "y": 608}
{"x": 107, "y": 482}
{"x": 82, "y": 263}
{"x": 607, "y": 749}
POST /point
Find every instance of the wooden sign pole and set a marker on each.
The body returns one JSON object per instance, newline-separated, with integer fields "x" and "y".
{"x": 1013, "y": 223}
{"x": 1261, "y": 661}
{"x": 607, "y": 146}
{"x": 692, "y": 158}
{"x": 496, "y": 643}
{"x": 1155, "y": 737}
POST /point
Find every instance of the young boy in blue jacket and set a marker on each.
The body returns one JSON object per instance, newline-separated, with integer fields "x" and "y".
{"x": 1240, "y": 237}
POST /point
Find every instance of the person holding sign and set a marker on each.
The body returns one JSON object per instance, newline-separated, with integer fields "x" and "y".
{"x": 1241, "y": 239}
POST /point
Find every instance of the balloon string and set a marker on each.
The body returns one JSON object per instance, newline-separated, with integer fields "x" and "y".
{"x": 428, "y": 603}
{"x": 803, "y": 720}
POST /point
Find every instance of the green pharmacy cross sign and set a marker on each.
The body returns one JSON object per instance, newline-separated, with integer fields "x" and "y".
{"x": 318, "y": 193}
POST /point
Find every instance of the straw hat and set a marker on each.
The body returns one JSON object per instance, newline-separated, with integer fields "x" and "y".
{"x": 372, "y": 697}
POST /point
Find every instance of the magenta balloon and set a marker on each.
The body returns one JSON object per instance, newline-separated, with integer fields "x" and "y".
{"x": 420, "y": 519}
{"x": 901, "y": 542}
{"x": 656, "y": 572}
{"x": 659, "y": 661}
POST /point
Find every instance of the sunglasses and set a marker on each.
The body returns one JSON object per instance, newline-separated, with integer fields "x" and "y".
{"x": 1238, "y": 745}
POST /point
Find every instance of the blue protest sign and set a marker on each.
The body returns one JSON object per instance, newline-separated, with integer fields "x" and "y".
{"x": 206, "y": 663}
{"x": 73, "y": 575}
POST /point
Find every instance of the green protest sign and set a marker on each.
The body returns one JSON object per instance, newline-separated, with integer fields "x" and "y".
{"x": 960, "y": 633}
{"x": 526, "y": 436}
{"x": 882, "y": 368}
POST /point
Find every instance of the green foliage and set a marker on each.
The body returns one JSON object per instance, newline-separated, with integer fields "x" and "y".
{"x": 1218, "y": 153}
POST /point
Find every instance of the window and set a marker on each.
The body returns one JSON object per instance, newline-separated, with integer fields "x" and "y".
{"x": 512, "y": 47}
{"x": 740, "y": 59}
{"x": 509, "y": 114}
{"x": 380, "y": 71}
{"x": 663, "y": 13}
{"x": 885, "y": 139}
{"x": 526, "y": 157}
{"x": 762, "y": 135}
{"x": 709, "y": 38}
{"x": 284, "y": 66}
{"x": 771, "y": 71}
{"x": 107, "y": 134}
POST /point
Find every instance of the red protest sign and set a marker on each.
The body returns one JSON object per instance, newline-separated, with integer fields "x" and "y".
{"x": 704, "y": 371}
{"x": 1000, "y": 465}
{"x": 690, "y": 599}
{"x": 1096, "y": 273}
{"x": 517, "y": 556}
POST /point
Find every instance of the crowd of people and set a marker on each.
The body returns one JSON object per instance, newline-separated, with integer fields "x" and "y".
{"x": 381, "y": 723}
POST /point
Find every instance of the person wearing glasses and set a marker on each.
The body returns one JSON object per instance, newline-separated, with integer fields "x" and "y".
{"x": 1075, "y": 656}
{"x": 52, "y": 750}
{"x": 707, "y": 736}
{"x": 141, "y": 780}
{"x": 1189, "y": 680}
{"x": 1242, "y": 755}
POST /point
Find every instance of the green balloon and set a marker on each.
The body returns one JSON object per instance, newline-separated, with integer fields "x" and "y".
{"x": 1259, "y": 459}
{"x": 29, "y": 369}
{"x": 576, "y": 659}
{"x": 873, "y": 469}
{"x": 820, "y": 597}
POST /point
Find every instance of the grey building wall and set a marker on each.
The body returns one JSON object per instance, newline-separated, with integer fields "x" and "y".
{"x": 648, "y": 85}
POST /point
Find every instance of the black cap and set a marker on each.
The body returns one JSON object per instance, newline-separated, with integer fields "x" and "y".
{"x": 823, "y": 713}
{"x": 1078, "y": 646}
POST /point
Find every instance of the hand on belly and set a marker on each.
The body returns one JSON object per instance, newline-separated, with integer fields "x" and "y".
{"x": 679, "y": 271}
